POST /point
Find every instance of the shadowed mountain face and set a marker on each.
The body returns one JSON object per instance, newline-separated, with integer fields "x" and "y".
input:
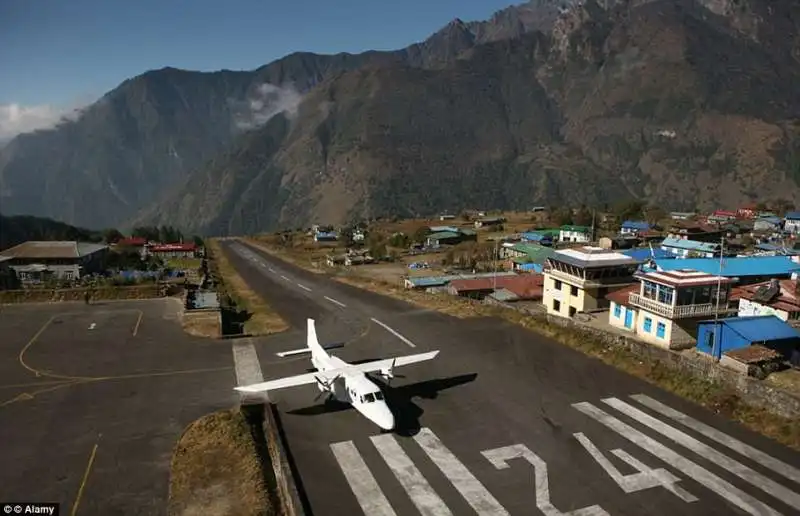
{"x": 689, "y": 104}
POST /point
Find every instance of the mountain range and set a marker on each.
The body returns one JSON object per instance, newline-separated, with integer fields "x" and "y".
{"x": 687, "y": 104}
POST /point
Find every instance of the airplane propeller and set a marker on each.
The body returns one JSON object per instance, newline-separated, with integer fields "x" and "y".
{"x": 326, "y": 386}
{"x": 389, "y": 374}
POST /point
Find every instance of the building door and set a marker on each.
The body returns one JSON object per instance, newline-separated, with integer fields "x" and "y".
{"x": 628, "y": 318}
{"x": 710, "y": 341}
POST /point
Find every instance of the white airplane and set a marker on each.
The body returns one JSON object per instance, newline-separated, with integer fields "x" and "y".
{"x": 345, "y": 382}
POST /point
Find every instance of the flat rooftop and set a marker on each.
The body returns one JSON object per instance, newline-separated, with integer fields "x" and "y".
{"x": 683, "y": 278}
{"x": 590, "y": 257}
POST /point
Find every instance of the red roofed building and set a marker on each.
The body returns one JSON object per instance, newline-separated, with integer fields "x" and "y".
{"x": 505, "y": 288}
{"x": 132, "y": 242}
{"x": 747, "y": 212}
{"x": 780, "y": 298}
{"x": 174, "y": 250}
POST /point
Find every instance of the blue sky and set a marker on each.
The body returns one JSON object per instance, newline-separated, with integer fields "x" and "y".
{"x": 62, "y": 52}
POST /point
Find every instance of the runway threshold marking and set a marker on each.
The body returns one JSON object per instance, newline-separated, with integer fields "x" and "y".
{"x": 715, "y": 435}
{"x": 361, "y": 480}
{"x": 747, "y": 474}
{"x": 248, "y": 368}
{"x": 334, "y": 301}
{"x": 393, "y": 332}
{"x": 691, "y": 469}
{"x": 83, "y": 481}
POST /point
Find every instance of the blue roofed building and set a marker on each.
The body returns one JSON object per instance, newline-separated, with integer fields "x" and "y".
{"x": 645, "y": 253}
{"x": 634, "y": 227}
{"x": 747, "y": 269}
{"x": 684, "y": 248}
{"x": 541, "y": 237}
{"x": 728, "y": 335}
{"x": 792, "y": 222}
{"x": 767, "y": 223}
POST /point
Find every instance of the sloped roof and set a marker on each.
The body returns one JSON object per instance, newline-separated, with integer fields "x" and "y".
{"x": 443, "y": 234}
{"x": 787, "y": 299}
{"x": 52, "y": 249}
{"x": 691, "y": 245}
{"x": 620, "y": 296}
{"x": 524, "y": 286}
{"x": 753, "y": 354}
{"x": 735, "y": 267}
{"x": 759, "y": 328}
{"x": 636, "y": 224}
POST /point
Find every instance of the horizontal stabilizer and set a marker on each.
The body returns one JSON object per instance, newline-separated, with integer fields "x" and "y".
{"x": 292, "y": 352}
{"x": 331, "y": 374}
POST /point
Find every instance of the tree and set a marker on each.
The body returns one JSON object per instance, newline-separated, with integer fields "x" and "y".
{"x": 583, "y": 217}
{"x": 421, "y": 234}
{"x": 561, "y": 216}
{"x": 630, "y": 210}
{"x": 654, "y": 214}
{"x": 112, "y": 236}
{"x": 198, "y": 241}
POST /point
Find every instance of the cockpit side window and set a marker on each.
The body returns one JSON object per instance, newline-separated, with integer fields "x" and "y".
{"x": 379, "y": 395}
{"x": 370, "y": 397}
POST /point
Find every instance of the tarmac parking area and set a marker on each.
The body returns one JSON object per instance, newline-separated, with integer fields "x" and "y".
{"x": 94, "y": 398}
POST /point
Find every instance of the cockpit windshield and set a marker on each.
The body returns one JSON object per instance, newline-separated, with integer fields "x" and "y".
{"x": 379, "y": 395}
{"x": 372, "y": 397}
{"x": 369, "y": 398}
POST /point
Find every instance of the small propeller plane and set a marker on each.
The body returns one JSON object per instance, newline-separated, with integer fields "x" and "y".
{"x": 344, "y": 382}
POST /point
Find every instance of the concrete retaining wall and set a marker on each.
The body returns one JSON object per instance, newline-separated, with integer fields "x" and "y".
{"x": 285, "y": 484}
{"x": 754, "y": 392}
{"x": 36, "y": 295}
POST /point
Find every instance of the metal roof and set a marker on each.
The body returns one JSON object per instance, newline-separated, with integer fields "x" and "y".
{"x": 691, "y": 245}
{"x": 430, "y": 281}
{"x": 636, "y": 224}
{"x": 792, "y": 215}
{"x": 53, "y": 249}
{"x": 205, "y": 300}
{"x": 533, "y": 252}
{"x": 443, "y": 234}
{"x": 759, "y": 328}
{"x": 503, "y": 294}
{"x": 735, "y": 267}
{"x": 644, "y": 253}
{"x": 577, "y": 229}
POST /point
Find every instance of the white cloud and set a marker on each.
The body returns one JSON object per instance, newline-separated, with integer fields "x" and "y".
{"x": 17, "y": 119}
{"x": 266, "y": 101}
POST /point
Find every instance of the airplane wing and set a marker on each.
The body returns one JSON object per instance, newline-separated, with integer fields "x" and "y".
{"x": 330, "y": 374}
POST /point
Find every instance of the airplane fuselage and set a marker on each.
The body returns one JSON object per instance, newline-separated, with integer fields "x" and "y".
{"x": 357, "y": 390}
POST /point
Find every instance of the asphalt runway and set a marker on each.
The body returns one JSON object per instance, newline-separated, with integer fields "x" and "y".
{"x": 503, "y": 421}
{"x": 94, "y": 398}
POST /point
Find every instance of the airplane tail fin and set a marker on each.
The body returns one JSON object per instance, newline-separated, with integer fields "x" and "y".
{"x": 313, "y": 344}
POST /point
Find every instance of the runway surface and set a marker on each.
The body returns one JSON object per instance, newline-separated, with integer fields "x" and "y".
{"x": 504, "y": 421}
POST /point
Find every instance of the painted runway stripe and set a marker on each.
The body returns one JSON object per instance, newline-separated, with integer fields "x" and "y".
{"x": 284, "y": 277}
{"x": 362, "y": 482}
{"x": 271, "y": 269}
{"x": 393, "y": 332}
{"x": 698, "y": 473}
{"x": 304, "y": 287}
{"x": 724, "y": 439}
{"x": 737, "y": 468}
{"x": 248, "y": 369}
{"x": 420, "y": 491}
{"x": 456, "y": 472}
{"x": 335, "y": 301}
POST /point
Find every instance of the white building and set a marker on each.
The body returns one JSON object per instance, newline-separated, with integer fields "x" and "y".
{"x": 780, "y": 298}
{"x": 664, "y": 308}
{"x": 578, "y": 280}
{"x": 580, "y": 234}
{"x": 792, "y": 222}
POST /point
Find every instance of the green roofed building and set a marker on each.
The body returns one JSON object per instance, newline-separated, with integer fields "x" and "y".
{"x": 568, "y": 233}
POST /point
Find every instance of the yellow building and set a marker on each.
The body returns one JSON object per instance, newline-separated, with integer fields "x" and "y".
{"x": 578, "y": 280}
{"x": 664, "y": 308}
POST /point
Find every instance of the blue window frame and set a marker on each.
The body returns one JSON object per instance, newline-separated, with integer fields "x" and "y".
{"x": 648, "y": 324}
{"x": 661, "y": 330}
{"x": 617, "y": 311}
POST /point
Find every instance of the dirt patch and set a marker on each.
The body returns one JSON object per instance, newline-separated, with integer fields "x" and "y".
{"x": 204, "y": 324}
{"x": 216, "y": 470}
{"x": 302, "y": 252}
{"x": 251, "y": 311}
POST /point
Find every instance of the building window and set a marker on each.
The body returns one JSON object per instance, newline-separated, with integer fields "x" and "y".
{"x": 649, "y": 290}
{"x": 648, "y": 325}
{"x": 617, "y": 311}
{"x": 572, "y": 311}
{"x": 661, "y": 330}
{"x": 574, "y": 290}
{"x": 556, "y": 305}
{"x": 68, "y": 275}
{"x": 557, "y": 284}
{"x": 665, "y": 295}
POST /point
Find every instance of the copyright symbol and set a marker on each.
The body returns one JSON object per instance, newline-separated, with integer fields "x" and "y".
{"x": 7, "y": 509}
{"x": 18, "y": 509}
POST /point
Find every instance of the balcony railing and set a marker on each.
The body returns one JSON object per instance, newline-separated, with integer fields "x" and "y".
{"x": 677, "y": 312}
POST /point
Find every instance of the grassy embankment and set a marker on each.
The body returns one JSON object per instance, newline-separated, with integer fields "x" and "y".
{"x": 216, "y": 470}
{"x": 243, "y": 304}
{"x": 707, "y": 393}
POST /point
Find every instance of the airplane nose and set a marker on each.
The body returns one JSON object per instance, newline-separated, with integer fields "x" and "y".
{"x": 387, "y": 421}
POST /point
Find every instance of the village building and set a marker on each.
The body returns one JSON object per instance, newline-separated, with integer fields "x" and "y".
{"x": 579, "y": 234}
{"x": 780, "y": 298}
{"x": 37, "y": 261}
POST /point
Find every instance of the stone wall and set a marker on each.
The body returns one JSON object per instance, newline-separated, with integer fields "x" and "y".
{"x": 752, "y": 391}
{"x": 41, "y": 295}
{"x": 286, "y": 488}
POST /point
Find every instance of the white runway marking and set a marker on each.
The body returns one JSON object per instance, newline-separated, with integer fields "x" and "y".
{"x": 92, "y": 326}
{"x": 499, "y": 457}
{"x": 701, "y": 475}
{"x": 420, "y": 491}
{"x": 248, "y": 368}
{"x": 646, "y": 478}
{"x": 724, "y": 439}
{"x": 284, "y": 277}
{"x": 393, "y": 332}
{"x": 335, "y": 301}
{"x": 362, "y": 482}
{"x": 271, "y": 269}
{"x": 304, "y": 287}
{"x": 737, "y": 468}
{"x": 465, "y": 482}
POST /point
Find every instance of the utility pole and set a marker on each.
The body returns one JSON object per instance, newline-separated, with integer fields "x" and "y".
{"x": 494, "y": 276}
{"x": 715, "y": 346}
